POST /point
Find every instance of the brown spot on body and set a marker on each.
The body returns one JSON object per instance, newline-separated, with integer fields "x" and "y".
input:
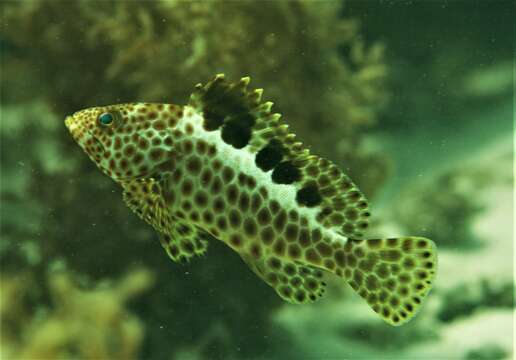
{"x": 294, "y": 251}
{"x": 255, "y": 251}
{"x": 201, "y": 199}
{"x": 275, "y": 206}
{"x": 291, "y": 232}
{"x": 156, "y": 141}
{"x": 207, "y": 217}
{"x": 372, "y": 282}
{"x": 129, "y": 150}
{"x": 280, "y": 220}
{"x": 189, "y": 129}
{"x": 212, "y": 150}
{"x": 256, "y": 202}
{"x": 267, "y": 235}
{"x": 159, "y": 125}
{"x": 201, "y": 146}
{"x": 316, "y": 235}
{"x": 235, "y": 240}
{"x": 218, "y": 205}
{"x": 222, "y": 223}
{"x": 324, "y": 249}
{"x": 193, "y": 165}
{"x": 312, "y": 256}
{"x": 187, "y": 147}
{"x": 232, "y": 193}
{"x": 194, "y": 216}
{"x": 234, "y": 218}
{"x": 206, "y": 176}
{"x": 340, "y": 258}
{"x": 251, "y": 182}
{"x": 250, "y": 227}
{"x": 293, "y": 215}
{"x": 329, "y": 264}
{"x": 216, "y": 185}
{"x": 422, "y": 244}
{"x": 156, "y": 154}
{"x": 168, "y": 141}
{"x": 227, "y": 174}
{"x": 187, "y": 187}
{"x": 243, "y": 202}
{"x": 263, "y": 217}
{"x": 390, "y": 255}
{"x": 279, "y": 247}
{"x": 304, "y": 238}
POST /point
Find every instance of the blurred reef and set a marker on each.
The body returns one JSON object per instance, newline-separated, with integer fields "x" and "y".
{"x": 343, "y": 74}
{"x": 84, "y": 324}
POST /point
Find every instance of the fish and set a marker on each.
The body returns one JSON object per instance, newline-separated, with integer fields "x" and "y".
{"x": 226, "y": 167}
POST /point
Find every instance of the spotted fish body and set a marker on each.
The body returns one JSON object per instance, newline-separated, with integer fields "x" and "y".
{"x": 224, "y": 166}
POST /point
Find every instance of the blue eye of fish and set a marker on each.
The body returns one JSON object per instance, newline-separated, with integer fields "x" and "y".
{"x": 106, "y": 119}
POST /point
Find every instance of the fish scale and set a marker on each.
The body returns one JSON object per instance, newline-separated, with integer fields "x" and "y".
{"x": 225, "y": 167}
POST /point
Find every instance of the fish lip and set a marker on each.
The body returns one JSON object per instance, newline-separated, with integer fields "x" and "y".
{"x": 73, "y": 126}
{"x": 68, "y": 121}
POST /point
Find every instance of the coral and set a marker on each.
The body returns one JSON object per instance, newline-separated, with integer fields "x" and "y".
{"x": 79, "y": 323}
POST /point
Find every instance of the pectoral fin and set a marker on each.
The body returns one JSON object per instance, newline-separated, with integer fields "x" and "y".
{"x": 145, "y": 198}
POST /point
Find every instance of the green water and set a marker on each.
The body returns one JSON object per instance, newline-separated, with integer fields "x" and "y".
{"x": 442, "y": 146}
{"x": 415, "y": 97}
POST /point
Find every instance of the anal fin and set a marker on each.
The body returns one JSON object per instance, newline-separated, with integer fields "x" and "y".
{"x": 295, "y": 283}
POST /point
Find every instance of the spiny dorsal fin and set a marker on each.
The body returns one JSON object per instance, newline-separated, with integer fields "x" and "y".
{"x": 246, "y": 122}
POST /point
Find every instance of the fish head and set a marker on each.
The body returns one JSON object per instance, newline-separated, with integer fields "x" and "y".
{"x": 126, "y": 141}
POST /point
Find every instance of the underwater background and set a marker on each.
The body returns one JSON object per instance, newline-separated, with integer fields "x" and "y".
{"x": 413, "y": 99}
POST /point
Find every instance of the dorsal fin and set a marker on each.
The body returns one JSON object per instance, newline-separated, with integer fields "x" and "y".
{"x": 247, "y": 122}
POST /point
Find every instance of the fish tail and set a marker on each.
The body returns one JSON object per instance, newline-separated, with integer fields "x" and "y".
{"x": 393, "y": 275}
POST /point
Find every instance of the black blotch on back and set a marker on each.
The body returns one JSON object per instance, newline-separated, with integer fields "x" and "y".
{"x": 285, "y": 173}
{"x": 212, "y": 119}
{"x": 269, "y": 156}
{"x": 309, "y": 196}
{"x": 236, "y": 135}
{"x": 226, "y": 107}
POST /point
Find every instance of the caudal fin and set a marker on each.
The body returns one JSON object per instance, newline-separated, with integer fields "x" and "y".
{"x": 392, "y": 275}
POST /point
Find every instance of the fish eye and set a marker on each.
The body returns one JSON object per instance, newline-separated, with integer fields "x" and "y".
{"x": 106, "y": 119}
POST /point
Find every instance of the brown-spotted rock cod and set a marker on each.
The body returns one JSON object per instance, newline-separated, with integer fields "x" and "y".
{"x": 226, "y": 166}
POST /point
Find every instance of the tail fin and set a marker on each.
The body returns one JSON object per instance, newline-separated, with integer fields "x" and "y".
{"x": 392, "y": 275}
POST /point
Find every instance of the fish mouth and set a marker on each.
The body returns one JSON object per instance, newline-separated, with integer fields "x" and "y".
{"x": 72, "y": 126}
{"x": 68, "y": 121}
{"x": 80, "y": 134}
